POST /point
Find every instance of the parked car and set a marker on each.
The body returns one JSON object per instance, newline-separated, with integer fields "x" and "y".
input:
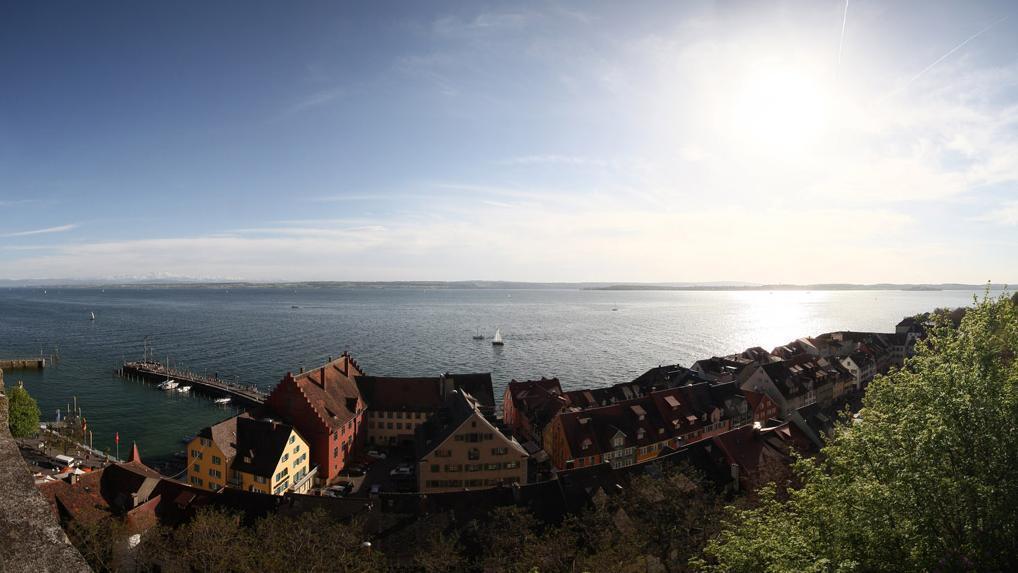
{"x": 402, "y": 471}
{"x": 378, "y": 455}
{"x": 342, "y": 488}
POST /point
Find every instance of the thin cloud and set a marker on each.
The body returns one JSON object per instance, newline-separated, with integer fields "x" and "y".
{"x": 46, "y": 231}
{"x": 316, "y": 99}
{"x": 947, "y": 55}
{"x": 1006, "y": 215}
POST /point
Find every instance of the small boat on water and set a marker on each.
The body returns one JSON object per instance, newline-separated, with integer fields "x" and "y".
{"x": 478, "y": 335}
{"x": 497, "y": 341}
{"x": 184, "y": 389}
{"x": 91, "y": 316}
{"x": 294, "y": 306}
{"x": 168, "y": 385}
{"x": 222, "y": 400}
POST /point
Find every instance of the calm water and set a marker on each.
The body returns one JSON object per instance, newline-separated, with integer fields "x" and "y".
{"x": 256, "y": 335}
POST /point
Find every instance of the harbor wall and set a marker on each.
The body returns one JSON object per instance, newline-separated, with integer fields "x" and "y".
{"x": 23, "y": 364}
{"x": 31, "y": 539}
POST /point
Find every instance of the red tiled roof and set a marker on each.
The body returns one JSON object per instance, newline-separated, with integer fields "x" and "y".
{"x": 330, "y": 390}
{"x": 394, "y": 394}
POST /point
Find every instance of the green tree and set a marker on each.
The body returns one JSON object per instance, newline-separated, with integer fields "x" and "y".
{"x": 927, "y": 480}
{"x": 23, "y": 413}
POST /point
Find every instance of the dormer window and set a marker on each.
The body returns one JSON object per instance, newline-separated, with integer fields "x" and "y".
{"x": 640, "y": 433}
{"x": 585, "y": 445}
{"x": 618, "y": 441}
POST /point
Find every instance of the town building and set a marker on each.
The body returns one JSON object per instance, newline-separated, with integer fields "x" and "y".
{"x": 326, "y": 408}
{"x": 528, "y": 406}
{"x": 461, "y": 448}
{"x": 259, "y": 455}
{"x": 637, "y": 430}
{"x": 397, "y": 407}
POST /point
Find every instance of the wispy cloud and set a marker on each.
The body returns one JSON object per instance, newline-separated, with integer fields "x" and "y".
{"x": 46, "y": 231}
{"x": 316, "y": 99}
{"x": 554, "y": 159}
{"x": 1006, "y": 214}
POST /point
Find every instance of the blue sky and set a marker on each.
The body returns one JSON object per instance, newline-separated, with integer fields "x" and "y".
{"x": 649, "y": 141}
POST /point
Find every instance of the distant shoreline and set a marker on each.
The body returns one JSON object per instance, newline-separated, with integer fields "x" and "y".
{"x": 493, "y": 285}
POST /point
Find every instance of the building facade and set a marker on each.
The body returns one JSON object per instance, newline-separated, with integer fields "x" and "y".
{"x": 326, "y": 407}
{"x": 460, "y": 448}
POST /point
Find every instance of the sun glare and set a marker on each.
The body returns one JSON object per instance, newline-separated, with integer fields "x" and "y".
{"x": 778, "y": 109}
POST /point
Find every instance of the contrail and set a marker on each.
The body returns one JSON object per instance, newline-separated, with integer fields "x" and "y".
{"x": 841, "y": 41}
{"x": 947, "y": 55}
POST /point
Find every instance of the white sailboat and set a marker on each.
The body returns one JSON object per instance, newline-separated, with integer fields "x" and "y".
{"x": 497, "y": 341}
{"x": 91, "y": 315}
{"x": 168, "y": 385}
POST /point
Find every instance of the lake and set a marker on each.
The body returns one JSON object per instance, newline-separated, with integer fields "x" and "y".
{"x": 256, "y": 335}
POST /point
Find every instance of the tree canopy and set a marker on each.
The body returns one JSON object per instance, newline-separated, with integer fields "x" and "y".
{"x": 23, "y": 413}
{"x": 927, "y": 479}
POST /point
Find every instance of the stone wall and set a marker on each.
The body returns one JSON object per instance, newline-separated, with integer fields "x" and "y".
{"x": 30, "y": 536}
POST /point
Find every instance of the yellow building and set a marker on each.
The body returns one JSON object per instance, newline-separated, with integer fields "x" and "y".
{"x": 261, "y": 455}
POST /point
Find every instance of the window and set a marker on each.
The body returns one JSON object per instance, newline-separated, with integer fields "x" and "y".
{"x": 283, "y": 474}
{"x": 196, "y": 454}
{"x": 286, "y": 457}
{"x": 492, "y": 466}
{"x": 260, "y": 479}
{"x": 474, "y": 454}
{"x": 335, "y": 452}
{"x": 215, "y": 473}
{"x": 474, "y": 467}
{"x": 388, "y": 414}
{"x": 435, "y": 468}
{"x": 443, "y": 453}
{"x": 453, "y": 467}
{"x": 512, "y": 465}
{"x": 388, "y": 425}
{"x": 618, "y": 441}
{"x": 475, "y": 482}
{"x": 206, "y": 442}
{"x": 399, "y": 425}
{"x": 196, "y": 481}
{"x": 296, "y": 448}
{"x": 399, "y": 415}
{"x": 196, "y": 468}
{"x": 216, "y": 460}
{"x": 292, "y": 439}
{"x": 499, "y": 451}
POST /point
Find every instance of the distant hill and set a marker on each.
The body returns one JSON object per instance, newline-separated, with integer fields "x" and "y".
{"x": 198, "y": 282}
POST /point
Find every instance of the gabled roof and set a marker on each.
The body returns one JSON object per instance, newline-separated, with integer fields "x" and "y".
{"x": 478, "y": 385}
{"x": 260, "y": 444}
{"x": 224, "y": 435}
{"x": 389, "y": 393}
{"x": 537, "y": 400}
{"x": 459, "y": 407}
{"x": 330, "y": 390}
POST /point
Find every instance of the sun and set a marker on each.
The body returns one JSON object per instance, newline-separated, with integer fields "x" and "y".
{"x": 778, "y": 108}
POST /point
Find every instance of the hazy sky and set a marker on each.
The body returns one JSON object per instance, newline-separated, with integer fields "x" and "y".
{"x": 551, "y": 141}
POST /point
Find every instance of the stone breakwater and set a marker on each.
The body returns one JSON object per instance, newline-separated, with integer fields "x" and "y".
{"x": 31, "y": 539}
{"x": 23, "y": 364}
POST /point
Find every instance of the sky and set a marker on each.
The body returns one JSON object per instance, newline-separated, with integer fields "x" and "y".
{"x": 759, "y": 141}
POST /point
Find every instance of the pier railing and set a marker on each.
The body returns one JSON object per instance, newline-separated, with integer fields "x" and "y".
{"x": 157, "y": 372}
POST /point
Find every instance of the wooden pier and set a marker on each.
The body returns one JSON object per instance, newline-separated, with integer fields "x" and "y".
{"x": 213, "y": 386}
{"x": 23, "y": 364}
